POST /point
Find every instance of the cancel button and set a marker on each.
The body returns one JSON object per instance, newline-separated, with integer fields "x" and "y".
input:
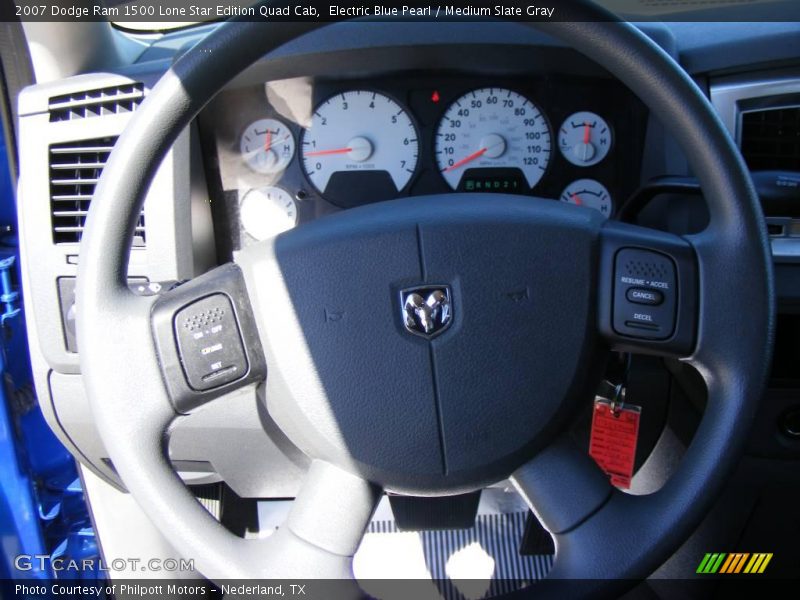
{"x": 644, "y": 296}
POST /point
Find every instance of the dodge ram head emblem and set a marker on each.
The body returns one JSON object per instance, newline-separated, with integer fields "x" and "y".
{"x": 427, "y": 311}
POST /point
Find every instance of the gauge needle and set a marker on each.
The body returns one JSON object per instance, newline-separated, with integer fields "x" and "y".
{"x": 327, "y": 152}
{"x": 577, "y": 199}
{"x": 587, "y": 132}
{"x": 467, "y": 159}
{"x": 268, "y": 141}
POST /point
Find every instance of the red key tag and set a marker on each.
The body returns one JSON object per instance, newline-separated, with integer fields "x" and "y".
{"x": 615, "y": 430}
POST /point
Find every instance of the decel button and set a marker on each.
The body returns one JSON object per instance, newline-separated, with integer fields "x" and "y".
{"x": 644, "y": 296}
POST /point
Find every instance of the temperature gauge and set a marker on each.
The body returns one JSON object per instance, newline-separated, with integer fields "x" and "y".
{"x": 584, "y": 138}
{"x": 590, "y": 193}
{"x": 266, "y": 212}
{"x": 267, "y": 146}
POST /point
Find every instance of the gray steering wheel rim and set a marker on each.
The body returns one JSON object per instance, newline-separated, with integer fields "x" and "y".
{"x": 733, "y": 350}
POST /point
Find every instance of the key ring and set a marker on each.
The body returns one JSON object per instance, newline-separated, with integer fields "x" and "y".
{"x": 618, "y": 401}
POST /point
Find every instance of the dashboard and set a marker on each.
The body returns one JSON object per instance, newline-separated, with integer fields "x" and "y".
{"x": 194, "y": 216}
{"x": 243, "y": 171}
{"x": 285, "y": 152}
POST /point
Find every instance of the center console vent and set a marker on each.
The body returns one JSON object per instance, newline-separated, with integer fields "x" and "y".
{"x": 75, "y": 168}
{"x": 770, "y": 139}
{"x": 96, "y": 103}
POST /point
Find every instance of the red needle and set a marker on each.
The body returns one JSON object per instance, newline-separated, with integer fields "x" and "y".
{"x": 464, "y": 161}
{"x": 577, "y": 199}
{"x": 587, "y": 132}
{"x": 268, "y": 141}
{"x": 326, "y": 152}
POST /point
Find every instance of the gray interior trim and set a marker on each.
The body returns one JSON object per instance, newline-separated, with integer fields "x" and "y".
{"x": 63, "y": 49}
{"x": 730, "y": 94}
{"x": 180, "y": 245}
{"x": 734, "y": 95}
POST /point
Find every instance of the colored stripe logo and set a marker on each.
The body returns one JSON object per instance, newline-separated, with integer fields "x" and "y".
{"x": 735, "y": 562}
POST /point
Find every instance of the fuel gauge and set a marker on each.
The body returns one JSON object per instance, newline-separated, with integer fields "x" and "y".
{"x": 584, "y": 138}
{"x": 589, "y": 193}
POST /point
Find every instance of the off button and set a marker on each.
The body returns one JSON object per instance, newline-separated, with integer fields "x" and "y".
{"x": 644, "y": 296}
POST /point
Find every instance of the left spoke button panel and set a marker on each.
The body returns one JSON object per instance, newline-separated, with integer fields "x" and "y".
{"x": 209, "y": 343}
{"x": 207, "y": 339}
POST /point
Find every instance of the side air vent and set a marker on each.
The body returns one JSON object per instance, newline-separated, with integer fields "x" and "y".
{"x": 95, "y": 103}
{"x": 771, "y": 139}
{"x": 75, "y": 168}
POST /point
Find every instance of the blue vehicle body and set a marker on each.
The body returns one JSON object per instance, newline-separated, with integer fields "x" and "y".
{"x": 42, "y": 508}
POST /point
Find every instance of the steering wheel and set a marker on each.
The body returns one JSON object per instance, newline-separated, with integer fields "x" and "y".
{"x": 535, "y": 298}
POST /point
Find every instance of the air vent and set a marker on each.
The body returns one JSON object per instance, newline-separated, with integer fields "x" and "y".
{"x": 95, "y": 103}
{"x": 75, "y": 168}
{"x": 771, "y": 139}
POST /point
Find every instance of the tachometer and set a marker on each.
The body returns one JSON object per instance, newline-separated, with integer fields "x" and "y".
{"x": 492, "y": 135}
{"x": 360, "y": 142}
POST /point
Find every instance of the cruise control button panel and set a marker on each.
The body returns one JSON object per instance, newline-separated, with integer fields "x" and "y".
{"x": 645, "y": 294}
{"x": 210, "y": 343}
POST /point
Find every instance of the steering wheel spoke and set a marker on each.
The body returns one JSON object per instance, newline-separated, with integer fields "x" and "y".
{"x": 205, "y": 338}
{"x": 333, "y": 509}
{"x": 321, "y": 534}
{"x": 647, "y": 299}
{"x": 562, "y": 485}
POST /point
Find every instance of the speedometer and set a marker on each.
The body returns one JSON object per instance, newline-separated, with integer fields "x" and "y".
{"x": 360, "y": 142}
{"x": 492, "y": 139}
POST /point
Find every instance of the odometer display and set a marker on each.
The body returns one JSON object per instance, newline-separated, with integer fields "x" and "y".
{"x": 492, "y": 128}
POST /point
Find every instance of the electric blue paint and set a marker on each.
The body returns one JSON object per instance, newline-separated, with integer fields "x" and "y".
{"x": 8, "y": 212}
{"x": 42, "y": 508}
{"x": 15, "y": 345}
{"x": 19, "y": 522}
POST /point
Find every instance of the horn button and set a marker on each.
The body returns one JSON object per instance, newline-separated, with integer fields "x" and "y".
{"x": 431, "y": 344}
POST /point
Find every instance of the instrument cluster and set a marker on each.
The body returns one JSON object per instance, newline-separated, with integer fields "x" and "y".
{"x": 294, "y": 150}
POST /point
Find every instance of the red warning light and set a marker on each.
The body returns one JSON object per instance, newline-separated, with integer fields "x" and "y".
{"x": 435, "y": 96}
